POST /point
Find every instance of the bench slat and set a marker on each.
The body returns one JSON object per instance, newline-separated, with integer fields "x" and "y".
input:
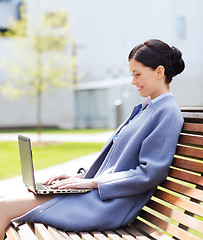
{"x": 98, "y": 235}
{"x": 26, "y": 232}
{"x": 12, "y": 234}
{"x": 186, "y": 176}
{"x": 189, "y": 151}
{"x": 55, "y": 233}
{"x": 193, "y": 127}
{"x": 179, "y": 202}
{"x": 188, "y": 165}
{"x": 180, "y": 217}
{"x": 86, "y": 236}
{"x": 151, "y": 233}
{"x": 168, "y": 227}
{"x": 73, "y": 236}
{"x": 41, "y": 232}
{"x": 187, "y": 191}
{"x": 191, "y": 108}
{"x": 192, "y": 115}
{"x": 190, "y": 139}
{"x": 124, "y": 235}
{"x": 112, "y": 235}
{"x": 64, "y": 235}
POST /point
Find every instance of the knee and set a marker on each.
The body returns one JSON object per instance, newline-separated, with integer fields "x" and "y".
{"x": 3, "y": 207}
{"x": 2, "y": 203}
{"x": 4, "y": 214}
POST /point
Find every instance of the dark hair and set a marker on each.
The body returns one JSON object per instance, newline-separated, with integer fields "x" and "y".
{"x": 154, "y": 53}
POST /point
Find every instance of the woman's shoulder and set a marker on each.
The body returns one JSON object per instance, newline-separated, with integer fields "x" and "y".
{"x": 167, "y": 107}
{"x": 167, "y": 103}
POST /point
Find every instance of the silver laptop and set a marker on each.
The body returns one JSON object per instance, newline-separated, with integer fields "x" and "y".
{"x": 28, "y": 172}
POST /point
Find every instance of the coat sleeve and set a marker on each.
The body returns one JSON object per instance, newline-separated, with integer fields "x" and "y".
{"x": 155, "y": 157}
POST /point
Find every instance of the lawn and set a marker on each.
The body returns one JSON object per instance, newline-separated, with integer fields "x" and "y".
{"x": 44, "y": 155}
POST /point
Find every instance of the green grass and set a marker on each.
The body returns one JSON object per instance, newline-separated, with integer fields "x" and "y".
{"x": 44, "y": 155}
{"x": 57, "y": 130}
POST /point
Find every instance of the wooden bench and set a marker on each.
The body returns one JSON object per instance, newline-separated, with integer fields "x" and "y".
{"x": 174, "y": 212}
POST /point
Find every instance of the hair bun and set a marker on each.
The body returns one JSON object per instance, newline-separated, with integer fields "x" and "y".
{"x": 178, "y": 63}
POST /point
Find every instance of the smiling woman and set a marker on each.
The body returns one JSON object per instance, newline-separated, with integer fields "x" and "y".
{"x": 135, "y": 160}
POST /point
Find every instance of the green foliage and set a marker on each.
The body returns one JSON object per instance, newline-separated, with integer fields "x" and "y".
{"x": 37, "y": 61}
{"x": 45, "y": 155}
{"x": 40, "y": 57}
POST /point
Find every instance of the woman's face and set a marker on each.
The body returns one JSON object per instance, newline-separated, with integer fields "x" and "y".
{"x": 148, "y": 81}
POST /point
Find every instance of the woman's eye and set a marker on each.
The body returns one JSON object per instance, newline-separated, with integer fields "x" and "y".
{"x": 136, "y": 75}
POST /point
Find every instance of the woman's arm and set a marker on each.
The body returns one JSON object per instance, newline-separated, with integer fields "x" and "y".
{"x": 155, "y": 157}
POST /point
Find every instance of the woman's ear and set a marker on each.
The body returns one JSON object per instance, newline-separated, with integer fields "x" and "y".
{"x": 160, "y": 71}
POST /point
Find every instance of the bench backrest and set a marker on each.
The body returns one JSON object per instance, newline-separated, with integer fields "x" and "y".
{"x": 176, "y": 208}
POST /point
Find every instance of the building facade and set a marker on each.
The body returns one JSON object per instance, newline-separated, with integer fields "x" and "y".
{"x": 104, "y": 33}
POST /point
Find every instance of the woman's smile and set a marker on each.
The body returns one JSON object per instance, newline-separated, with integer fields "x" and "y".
{"x": 140, "y": 88}
{"x": 148, "y": 81}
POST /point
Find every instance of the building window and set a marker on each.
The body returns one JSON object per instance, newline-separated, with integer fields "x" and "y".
{"x": 10, "y": 13}
{"x": 181, "y": 27}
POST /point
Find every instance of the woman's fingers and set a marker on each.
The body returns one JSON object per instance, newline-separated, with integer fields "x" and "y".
{"x": 47, "y": 181}
{"x": 55, "y": 178}
{"x": 50, "y": 180}
{"x": 63, "y": 183}
{"x": 76, "y": 183}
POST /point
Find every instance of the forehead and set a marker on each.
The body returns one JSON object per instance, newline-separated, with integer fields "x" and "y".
{"x": 136, "y": 66}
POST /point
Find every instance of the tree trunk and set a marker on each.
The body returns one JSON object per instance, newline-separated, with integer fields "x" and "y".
{"x": 39, "y": 114}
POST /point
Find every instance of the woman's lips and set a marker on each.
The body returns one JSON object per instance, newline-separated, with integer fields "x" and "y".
{"x": 139, "y": 88}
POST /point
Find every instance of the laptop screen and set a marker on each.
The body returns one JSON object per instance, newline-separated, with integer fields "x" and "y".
{"x": 26, "y": 162}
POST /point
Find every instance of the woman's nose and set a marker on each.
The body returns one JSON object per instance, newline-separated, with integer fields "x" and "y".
{"x": 134, "y": 82}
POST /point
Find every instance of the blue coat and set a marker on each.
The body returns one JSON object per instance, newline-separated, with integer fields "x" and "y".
{"x": 128, "y": 173}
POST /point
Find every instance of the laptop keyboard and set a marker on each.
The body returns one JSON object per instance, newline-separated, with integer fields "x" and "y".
{"x": 41, "y": 186}
{"x": 45, "y": 189}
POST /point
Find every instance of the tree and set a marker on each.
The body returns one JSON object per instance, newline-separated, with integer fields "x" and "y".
{"x": 43, "y": 54}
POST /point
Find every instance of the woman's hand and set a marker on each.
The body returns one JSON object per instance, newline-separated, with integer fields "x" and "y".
{"x": 60, "y": 177}
{"x": 75, "y": 182}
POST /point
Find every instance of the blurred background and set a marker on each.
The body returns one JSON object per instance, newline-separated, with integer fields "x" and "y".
{"x": 64, "y": 63}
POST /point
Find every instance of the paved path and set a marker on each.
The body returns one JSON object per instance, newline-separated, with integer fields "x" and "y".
{"x": 47, "y": 137}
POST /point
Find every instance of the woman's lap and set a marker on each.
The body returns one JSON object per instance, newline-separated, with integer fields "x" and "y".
{"x": 12, "y": 206}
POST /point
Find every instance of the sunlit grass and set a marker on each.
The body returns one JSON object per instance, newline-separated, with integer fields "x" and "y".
{"x": 45, "y": 155}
